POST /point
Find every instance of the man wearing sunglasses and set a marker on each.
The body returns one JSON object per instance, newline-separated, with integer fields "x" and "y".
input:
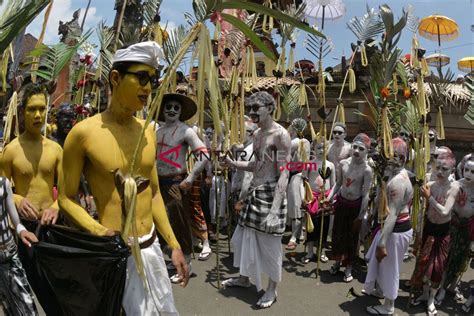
{"x": 261, "y": 222}
{"x": 175, "y": 137}
{"x": 105, "y": 143}
{"x": 351, "y": 192}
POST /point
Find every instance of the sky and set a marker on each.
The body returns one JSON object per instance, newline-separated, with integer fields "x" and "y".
{"x": 462, "y": 11}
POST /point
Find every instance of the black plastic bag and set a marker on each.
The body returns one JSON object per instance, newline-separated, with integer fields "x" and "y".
{"x": 85, "y": 272}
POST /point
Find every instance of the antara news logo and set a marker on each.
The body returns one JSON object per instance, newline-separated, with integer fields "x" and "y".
{"x": 171, "y": 156}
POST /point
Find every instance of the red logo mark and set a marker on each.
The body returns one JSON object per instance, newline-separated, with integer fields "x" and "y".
{"x": 162, "y": 156}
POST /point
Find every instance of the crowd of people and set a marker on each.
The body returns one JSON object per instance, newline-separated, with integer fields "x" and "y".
{"x": 181, "y": 197}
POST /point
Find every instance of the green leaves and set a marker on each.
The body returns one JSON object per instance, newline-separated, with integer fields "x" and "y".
{"x": 251, "y": 35}
{"x": 17, "y": 17}
{"x": 369, "y": 26}
{"x": 55, "y": 57}
{"x": 282, "y": 17}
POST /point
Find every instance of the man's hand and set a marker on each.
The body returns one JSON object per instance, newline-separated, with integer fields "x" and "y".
{"x": 181, "y": 266}
{"x": 50, "y": 216}
{"x": 88, "y": 200}
{"x": 226, "y": 163}
{"x": 27, "y": 210}
{"x": 27, "y": 238}
{"x": 425, "y": 191}
{"x": 271, "y": 222}
{"x": 185, "y": 186}
{"x": 380, "y": 253}
{"x": 356, "y": 225}
{"x": 208, "y": 181}
{"x": 238, "y": 207}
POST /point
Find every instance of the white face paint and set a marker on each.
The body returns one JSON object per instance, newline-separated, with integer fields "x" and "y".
{"x": 432, "y": 136}
{"x": 172, "y": 111}
{"x": 338, "y": 134}
{"x": 469, "y": 172}
{"x": 359, "y": 151}
{"x": 319, "y": 150}
{"x": 258, "y": 112}
{"x": 442, "y": 170}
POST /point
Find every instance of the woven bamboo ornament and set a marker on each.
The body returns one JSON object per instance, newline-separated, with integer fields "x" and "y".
{"x": 363, "y": 56}
{"x": 352, "y": 80}
{"x": 291, "y": 59}
{"x": 12, "y": 114}
{"x": 267, "y": 24}
{"x": 440, "y": 124}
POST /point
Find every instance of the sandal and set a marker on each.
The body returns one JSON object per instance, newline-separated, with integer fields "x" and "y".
{"x": 204, "y": 255}
{"x": 432, "y": 312}
{"x": 291, "y": 246}
{"x": 307, "y": 259}
{"x": 418, "y": 301}
{"x": 376, "y": 310}
{"x": 348, "y": 278}
{"x": 234, "y": 282}
{"x": 374, "y": 293}
{"x": 324, "y": 258}
{"x": 267, "y": 304}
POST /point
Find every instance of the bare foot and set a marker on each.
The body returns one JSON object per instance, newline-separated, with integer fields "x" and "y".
{"x": 267, "y": 300}
{"x": 237, "y": 282}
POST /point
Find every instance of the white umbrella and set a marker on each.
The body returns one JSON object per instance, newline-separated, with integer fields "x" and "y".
{"x": 437, "y": 60}
{"x": 325, "y": 9}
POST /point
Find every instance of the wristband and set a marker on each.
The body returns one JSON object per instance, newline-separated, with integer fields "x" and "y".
{"x": 20, "y": 228}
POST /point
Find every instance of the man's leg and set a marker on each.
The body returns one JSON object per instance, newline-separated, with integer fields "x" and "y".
{"x": 270, "y": 295}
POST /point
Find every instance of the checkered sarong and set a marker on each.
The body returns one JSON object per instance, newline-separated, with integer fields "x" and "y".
{"x": 259, "y": 202}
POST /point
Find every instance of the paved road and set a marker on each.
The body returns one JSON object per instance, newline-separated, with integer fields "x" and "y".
{"x": 300, "y": 293}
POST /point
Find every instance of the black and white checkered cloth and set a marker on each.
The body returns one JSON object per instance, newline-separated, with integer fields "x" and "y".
{"x": 259, "y": 202}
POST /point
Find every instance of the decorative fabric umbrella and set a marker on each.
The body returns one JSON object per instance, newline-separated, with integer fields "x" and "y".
{"x": 325, "y": 9}
{"x": 438, "y": 60}
{"x": 466, "y": 64}
{"x": 438, "y": 28}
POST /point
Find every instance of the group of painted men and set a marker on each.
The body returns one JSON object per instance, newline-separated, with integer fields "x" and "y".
{"x": 266, "y": 191}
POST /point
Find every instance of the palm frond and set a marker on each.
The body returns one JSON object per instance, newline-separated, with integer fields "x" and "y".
{"x": 317, "y": 46}
{"x": 469, "y": 84}
{"x": 16, "y": 17}
{"x": 412, "y": 19}
{"x": 56, "y": 57}
{"x": 289, "y": 99}
{"x": 368, "y": 26}
{"x": 173, "y": 43}
{"x": 237, "y": 39}
{"x": 439, "y": 87}
{"x": 150, "y": 10}
{"x": 289, "y": 31}
{"x": 106, "y": 37}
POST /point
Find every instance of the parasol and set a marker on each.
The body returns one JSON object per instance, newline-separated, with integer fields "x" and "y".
{"x": 437, "y": 60}
{"x": 325, "y": 9}
{"x": 466, "y": 64}
{"x": 438, "y": 28}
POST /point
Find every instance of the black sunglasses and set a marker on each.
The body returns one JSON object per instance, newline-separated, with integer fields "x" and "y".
{"x": 170, "y": 106}
{"x": 144, "y": 77}
{"x": 254, "y": 107}
{"x": 337, "y": 132}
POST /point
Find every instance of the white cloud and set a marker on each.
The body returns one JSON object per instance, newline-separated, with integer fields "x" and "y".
{"x": 62, "y": 11}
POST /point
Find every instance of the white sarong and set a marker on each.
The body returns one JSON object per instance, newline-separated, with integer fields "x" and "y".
{"x": 158, "y": 299}
{"x": 387, "y": 272}
{"x": 256, "y": 253}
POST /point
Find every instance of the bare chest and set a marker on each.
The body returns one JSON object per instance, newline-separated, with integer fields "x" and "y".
{"x": 31, "y": 163}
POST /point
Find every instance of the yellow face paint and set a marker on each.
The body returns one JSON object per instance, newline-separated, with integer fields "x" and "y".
{"x": 131, "y": 93}
{"x": 35, "y": 113}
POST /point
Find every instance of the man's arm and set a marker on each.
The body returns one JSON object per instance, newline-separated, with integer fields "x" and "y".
{"x": 284, "y": 146}
{"x": 197, "y": 147}
{"x": 365, "y": 191}
{"x": 337, "y": 186}
{"x": 69, "y": 178}
{"x": 395, "y": 195}
{"x": 450, "y": 200}
{"x": 50, "y": 215}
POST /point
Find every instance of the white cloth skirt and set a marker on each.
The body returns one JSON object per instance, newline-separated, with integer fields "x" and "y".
{"x": 387, "y": 272}
{"x": 256, "y": 253}
{"x": 295, "y": 193}
{"x": 158, "y": 299}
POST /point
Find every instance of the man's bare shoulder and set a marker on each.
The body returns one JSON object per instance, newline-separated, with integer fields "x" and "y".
{"x": 10, "y": 149}
{"x": 52, "y": 144}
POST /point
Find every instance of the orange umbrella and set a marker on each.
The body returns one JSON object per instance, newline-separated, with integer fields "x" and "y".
{"x": 466, "y": 64}
{"x": 438, "y": 28}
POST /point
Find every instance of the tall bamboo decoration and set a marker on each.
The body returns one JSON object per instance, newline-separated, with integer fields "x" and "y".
{"x": 203, "y": 11}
